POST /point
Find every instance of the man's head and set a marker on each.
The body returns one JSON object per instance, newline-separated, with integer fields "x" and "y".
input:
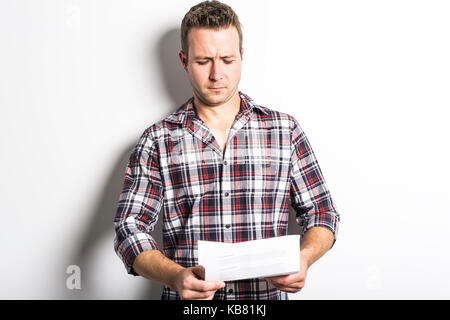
{"x": 211, "y": 42}
{"x": 209, "y": 15}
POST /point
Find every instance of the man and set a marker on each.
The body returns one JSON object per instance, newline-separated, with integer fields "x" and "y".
{"x": 225, "y": 169}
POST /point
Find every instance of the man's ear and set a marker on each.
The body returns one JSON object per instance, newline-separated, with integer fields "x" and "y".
{"x": 183, "y": 59}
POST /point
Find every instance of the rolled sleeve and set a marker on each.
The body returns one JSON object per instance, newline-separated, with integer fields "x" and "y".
{"x": 309, "y": 194}
{"x": 139, "y": 203}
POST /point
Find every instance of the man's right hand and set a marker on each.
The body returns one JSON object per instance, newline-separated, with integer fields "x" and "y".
{"x": 190, "y": 284}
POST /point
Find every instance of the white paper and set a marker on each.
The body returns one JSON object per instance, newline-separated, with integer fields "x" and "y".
{"x": 250, "y": 259}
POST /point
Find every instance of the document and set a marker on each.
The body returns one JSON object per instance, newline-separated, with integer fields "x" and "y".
{"x": 250, "y": 259}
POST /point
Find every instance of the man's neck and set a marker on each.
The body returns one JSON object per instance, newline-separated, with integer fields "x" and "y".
{"x": 221, "y": 114}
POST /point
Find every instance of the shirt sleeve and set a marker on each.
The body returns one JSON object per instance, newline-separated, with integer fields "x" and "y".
{"x": 139, "y": 203}
{"x": 309, "y": 194}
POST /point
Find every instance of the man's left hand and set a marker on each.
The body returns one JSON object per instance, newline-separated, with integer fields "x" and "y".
{"x": 291, "y": 283}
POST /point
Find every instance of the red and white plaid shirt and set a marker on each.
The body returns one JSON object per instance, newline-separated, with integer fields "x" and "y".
{"x": 240, "y": 195}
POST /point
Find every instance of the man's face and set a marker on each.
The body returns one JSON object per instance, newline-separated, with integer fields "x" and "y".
{"x": 214, "y": 65}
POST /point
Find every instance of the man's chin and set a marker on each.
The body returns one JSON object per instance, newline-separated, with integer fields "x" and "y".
{"x": 215, "y": 98}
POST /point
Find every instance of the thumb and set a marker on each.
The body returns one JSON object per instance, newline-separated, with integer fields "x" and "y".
{"x": 199, "y": 272}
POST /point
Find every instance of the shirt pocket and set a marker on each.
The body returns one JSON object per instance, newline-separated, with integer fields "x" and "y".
{"x": 273, "y": 180}
{"x": 265, "y": 175}
{"x": 272, "y": 174}
{"x": 193, "y": 173}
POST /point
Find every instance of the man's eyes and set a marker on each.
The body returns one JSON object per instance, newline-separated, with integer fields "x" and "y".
{"x": 202, "y": 62}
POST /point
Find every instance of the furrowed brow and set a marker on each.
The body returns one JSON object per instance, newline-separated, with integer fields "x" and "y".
{"x": 211, "y": 58}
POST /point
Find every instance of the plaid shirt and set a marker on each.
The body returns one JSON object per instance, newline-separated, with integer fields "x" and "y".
{"x": 240, "y": 195}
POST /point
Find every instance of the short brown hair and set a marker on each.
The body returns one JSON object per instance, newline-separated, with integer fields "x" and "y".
{"x": 209, "y": 14}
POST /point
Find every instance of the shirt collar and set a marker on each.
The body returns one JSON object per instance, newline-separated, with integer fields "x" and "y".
{"x": 186, "y": 112}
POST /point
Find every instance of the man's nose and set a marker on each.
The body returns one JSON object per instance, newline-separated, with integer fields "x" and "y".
{"x": 216, "y": 72}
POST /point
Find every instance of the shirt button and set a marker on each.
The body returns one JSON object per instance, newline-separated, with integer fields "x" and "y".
{"x": 227, "y": 194}
{"x": 225, "y": 162}
{"x": 227, "y": 226}
{"x": 230, "y": 291}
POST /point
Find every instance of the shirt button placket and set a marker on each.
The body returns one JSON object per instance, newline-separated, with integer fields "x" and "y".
{"x": 226, "y": 200}
{"x": 229, "y": 291}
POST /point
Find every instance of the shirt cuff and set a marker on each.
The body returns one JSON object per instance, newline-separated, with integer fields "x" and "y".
{"x": 329, "y": 220}
{"x": 132, "y": 246}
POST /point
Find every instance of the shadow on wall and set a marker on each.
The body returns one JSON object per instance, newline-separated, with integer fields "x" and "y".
{"x": 101, "y": 224}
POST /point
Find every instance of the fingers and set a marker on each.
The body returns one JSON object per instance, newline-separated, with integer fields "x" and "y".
{"x": 199, "y": 284}
{"x": 290, "y": 283}
{"x": 194, "y": 287}
{"x": 199, "y": 291}
{"x": 286, "y": 280}
{"x": 197, "y": 295}
{"x": 204, "y": 285}
{"x": 292, "y": 288}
